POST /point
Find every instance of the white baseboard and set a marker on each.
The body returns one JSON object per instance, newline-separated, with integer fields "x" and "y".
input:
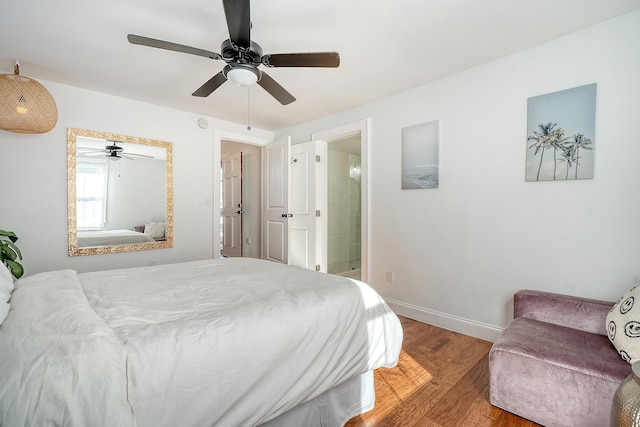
{"x": 446, "y": 321}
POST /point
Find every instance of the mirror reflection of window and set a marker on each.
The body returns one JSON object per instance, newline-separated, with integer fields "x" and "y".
{"x": 91, "y": 190}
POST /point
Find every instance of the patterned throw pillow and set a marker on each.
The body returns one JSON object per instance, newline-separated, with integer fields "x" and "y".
{"x": 154, "y": 229}
{"x": 623, "y": 325}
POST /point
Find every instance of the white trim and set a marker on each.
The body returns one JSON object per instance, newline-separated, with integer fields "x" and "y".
{"x": 447, "y": 321}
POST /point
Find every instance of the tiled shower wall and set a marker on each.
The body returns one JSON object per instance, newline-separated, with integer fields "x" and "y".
{"x": 344, "y": 200}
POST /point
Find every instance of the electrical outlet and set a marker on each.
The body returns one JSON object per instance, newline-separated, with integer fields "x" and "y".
{"x": 389, "y": 278}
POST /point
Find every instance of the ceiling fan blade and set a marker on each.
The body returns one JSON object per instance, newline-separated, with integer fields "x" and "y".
{"x": 161, "y": 44}
{"x": 277, "y": 91}
{"x": 132, "y": 156}
{"x": 212, "y": 84}
{"x": 305, "y": 59}
{"x": 137, "y": 155}
{"x": 238, "y": 13}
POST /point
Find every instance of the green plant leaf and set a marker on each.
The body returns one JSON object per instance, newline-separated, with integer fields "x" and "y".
{"x": 9, "y": 253}
{"x": 15, "y": 249}
{"x": 16, "y": 269}
{"x": 10, "y": 234}
{"x": 6, "y": 253}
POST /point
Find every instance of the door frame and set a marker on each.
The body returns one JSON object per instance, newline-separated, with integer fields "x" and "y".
{"x": 218, "y": 136}
{"x": 322, "y": 139}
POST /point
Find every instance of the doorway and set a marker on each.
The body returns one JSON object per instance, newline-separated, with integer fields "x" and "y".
{"x": 344, "y": 203}
{"x": 342, "y": 193}
{"x": 240, "y": 199}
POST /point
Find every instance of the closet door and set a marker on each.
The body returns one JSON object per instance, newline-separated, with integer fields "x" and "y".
{"x": 232, "y": 205}
{"x": 276, "y": 200}
{"x": 302, "y": 225}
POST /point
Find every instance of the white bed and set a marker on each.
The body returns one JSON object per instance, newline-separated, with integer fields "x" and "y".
{"x": 231, "y": 342}
{"x": 111, "y": 237}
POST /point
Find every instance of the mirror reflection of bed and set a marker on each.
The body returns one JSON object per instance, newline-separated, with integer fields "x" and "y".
{"x": 91, "y": 238}
{"x": 119, "y": 190}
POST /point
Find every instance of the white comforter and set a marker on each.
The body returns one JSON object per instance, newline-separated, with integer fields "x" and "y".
{"x": 60, "y": 364}
{"x": 233, "y": 342}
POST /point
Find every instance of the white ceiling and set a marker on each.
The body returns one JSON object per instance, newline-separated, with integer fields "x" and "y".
{"x": 385, "y": 47}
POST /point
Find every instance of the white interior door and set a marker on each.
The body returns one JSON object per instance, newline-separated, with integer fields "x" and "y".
{"x": 276, "y": 200}
{"x": 232, "y": 205}
{"x": 302, "y": 206}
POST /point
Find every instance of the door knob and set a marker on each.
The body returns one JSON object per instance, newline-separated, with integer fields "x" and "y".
{"x": 286, "y": 215}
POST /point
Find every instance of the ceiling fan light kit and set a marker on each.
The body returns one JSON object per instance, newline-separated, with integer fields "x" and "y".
{"x": 25, "y": 105}
{"x": 241, "y": 75}
{"x": 243, "y": 56}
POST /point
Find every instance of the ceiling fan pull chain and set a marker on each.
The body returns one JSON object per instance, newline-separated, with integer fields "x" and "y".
{"x": 248, "y": 108}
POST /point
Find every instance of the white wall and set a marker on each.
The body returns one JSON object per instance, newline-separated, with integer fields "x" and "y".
{"x": 136, "y": 193}
{"x": 460, "y": 251}
{"x": 33, "y": 174}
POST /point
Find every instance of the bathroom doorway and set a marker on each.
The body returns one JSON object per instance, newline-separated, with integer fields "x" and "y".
{"x": 342, "y": 241}
{"x": 344, "y": 203}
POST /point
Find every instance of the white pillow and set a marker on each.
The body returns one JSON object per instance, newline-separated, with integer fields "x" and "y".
{"x": 5, "y": 293}
{"x": 4, "y": 310}
{"x": 5, "y": 290}
{"x": 5, "y": 273}
{"x": 623, "y": 325}
{"x": 154, "y": 229}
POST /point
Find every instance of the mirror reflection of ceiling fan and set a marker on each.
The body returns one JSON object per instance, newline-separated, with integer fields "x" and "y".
{"x": 243, "y": 56}
{"x": 111, "y": 152}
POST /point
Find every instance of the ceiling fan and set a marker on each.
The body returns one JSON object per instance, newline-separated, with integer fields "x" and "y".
{"x": 243, "y": 56}
{"x": 111, "y": 152}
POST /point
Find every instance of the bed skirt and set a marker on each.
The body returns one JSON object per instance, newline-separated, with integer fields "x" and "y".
{"x": 332, "y": 408}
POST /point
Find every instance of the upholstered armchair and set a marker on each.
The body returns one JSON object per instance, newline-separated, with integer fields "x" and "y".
{"x": 553, "y": 364}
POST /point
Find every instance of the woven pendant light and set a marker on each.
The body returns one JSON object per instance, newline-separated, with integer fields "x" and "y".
{"x": 25, "y": 105}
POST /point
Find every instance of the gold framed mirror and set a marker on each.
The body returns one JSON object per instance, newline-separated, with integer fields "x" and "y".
{"x": 119, "y": 193}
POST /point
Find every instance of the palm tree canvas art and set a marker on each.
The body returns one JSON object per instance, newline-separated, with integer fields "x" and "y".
{"x": 560, "y": 135}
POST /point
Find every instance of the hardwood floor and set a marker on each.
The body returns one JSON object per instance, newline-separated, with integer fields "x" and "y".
{"x": 442, "y": 380}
